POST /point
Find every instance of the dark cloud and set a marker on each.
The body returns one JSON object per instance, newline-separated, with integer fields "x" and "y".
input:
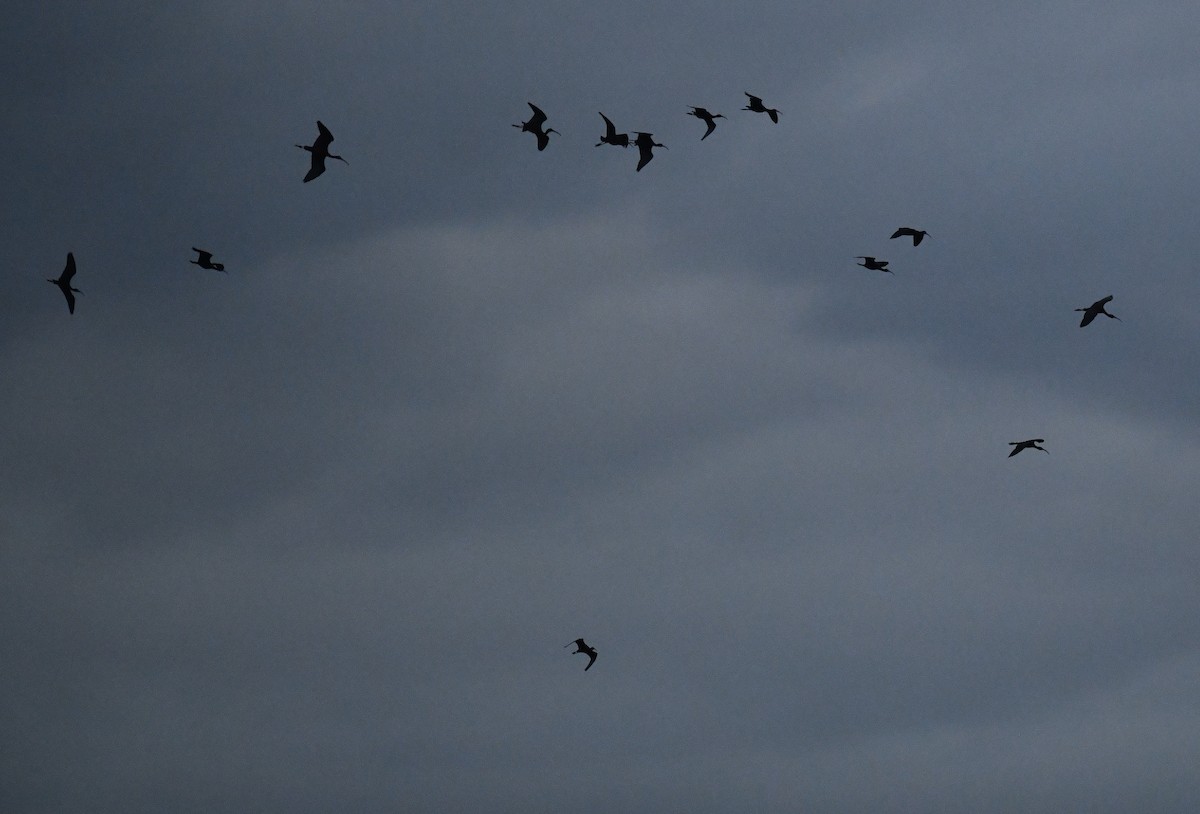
{"x": 312, "y": 534}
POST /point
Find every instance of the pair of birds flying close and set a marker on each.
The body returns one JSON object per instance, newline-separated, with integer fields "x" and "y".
{"x": 644, "y": 142}
{"x": 875, "y": 264}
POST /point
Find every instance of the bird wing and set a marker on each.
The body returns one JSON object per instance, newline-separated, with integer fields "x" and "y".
{"x": 646, "y": 154}
{"x": 774, "y": 114}
{"x": 1017, "y": 448}
{"x": 543, "y": 139}
{"x": 591, "y": 660}
{"x": 1088, "y": 316}
{"x": 754, "y": 100}
{"x": 917, "y": 238}
{"x": 318, "y": 166}
{"x": 325, "y": 139}
{"x": 1103, "y": 302}
{"x": 68, "y": 273}
{"x": 538, "y": 116}
{"x": 205, "y": 257}
{"x": 610, "y": 128}
{"x": 70, "y": 298}
{"x": 712, "y": 125}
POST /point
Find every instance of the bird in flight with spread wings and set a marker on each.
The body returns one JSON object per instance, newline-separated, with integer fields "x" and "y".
{"x": 582, "y": 647}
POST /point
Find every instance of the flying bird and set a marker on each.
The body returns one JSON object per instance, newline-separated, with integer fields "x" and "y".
{"x": 646, "y": 144}
{"x": 917, "y": 235}
{"x": 1094, "y": 310}
{"x": 874, "y": 265}
{"x": 708, "y": 118}
{"x": 1032, "y": 443}
{"x": 534, "y": 125}
{"x": 757, "y": 106}
{"x": 64, "y": 282}
{"x": 204, "y": 261}
{"x": 611, "y": 136}
{"x": 320, "y": 152}
{"x": 582, "y": 647}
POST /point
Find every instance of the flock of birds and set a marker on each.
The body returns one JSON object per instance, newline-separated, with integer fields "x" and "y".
{"x": 644, "y": 141}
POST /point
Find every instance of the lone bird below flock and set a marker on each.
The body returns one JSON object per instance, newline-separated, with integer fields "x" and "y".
{"x": 204, "y": 261}
{"x": 708, "y": 118}
{"x": 534, "y": 125}
{"x": 320, "y": 152}
{"x": 64, "y": 282}
{"x": 611, "y": 136}
{"x": 582, "y": 647}
{"x": 757, "y": 106}
{"x": 1032, "y": 443}
{"x": 917, "y": 235}
{"x": 874, "y": 265}
{"x": 1094, "y": 310}
{"x": 646, "y": 144}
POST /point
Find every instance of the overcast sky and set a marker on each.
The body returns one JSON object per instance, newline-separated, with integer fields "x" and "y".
{"x": 310, "y": 536}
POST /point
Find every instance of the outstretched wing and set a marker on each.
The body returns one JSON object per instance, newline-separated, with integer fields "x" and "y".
{"x": 754, "y": 100}
{"x": 539, "y": 117}
{"x": 610, "y": 128}
{"x": 1088, "y": 316}
{"x": 69, "y": 272}
{"x": 324, "y": 139}
{"x": 318, "y": 166}
{"x": 712, "y": 125}
{"x": 591, "y": 661}
{"x": 774, "y": 114}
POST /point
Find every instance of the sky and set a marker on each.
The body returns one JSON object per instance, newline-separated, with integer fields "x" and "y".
{"x": 310, "y": 535}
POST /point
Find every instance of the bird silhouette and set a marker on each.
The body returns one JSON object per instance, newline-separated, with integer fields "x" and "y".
{"x": 64, "y": 282}
{"x": 708, "y": 118}
{"x": 611, "y": 136}
{"x": 1094, "y": 310}
{"x": 917, "y": 235}
{"x": 1032, "y": 443}
{"x": 534, "y": 125}
{"x": 582, "y": 647}
{"x": 874, "y": 265}
{"x": 320, "y": 152}
{"x": 204, "y": 261}
{"x": 646, "y": 144}
{"x": 757, "y": 106}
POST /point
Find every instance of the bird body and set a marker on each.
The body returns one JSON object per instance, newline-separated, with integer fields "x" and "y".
{"x": 1094, "y": 310}
{"x": 320, "y": 151}
{"x": 874, "y": 265}
{"x": 582, "y": 647}
{"x": 645, "y": 143}
{"x": 611, "y": 136}
{"x": 64, "y": 282}
{"x": 708, "y": 118}
{"x": 1032, "y": 443}
{"x": 756, "y": 105}
{"x": 204, "y": 261}
{"x": 917, "y": 235}
{"x": 534, "y": 125}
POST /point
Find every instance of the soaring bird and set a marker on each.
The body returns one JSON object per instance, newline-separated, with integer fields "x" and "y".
{"x": 1032, "y": 443}
{"x": 320, "y": 152}
{"x": 534, "y": 125}
{"x": 582, "y": 647}
{"x": 204, "y": 261}
{"x": 64, "y": 282}
{"x": 1094, "y": 310}
{"x": 611, "y": 136}
{"x": 874, "y": 265}
{"x": 646, "y": 144}
{"x": 917, "y": 235}
{"x": 757, "y": 106}
{"x": 708, "y": 118}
